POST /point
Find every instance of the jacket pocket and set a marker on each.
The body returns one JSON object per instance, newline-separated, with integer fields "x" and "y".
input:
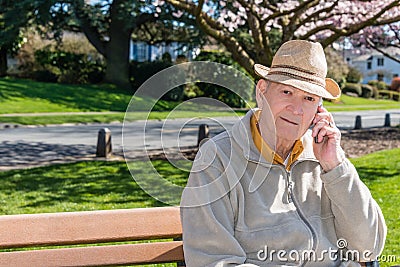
{"x": 278, "y": 245}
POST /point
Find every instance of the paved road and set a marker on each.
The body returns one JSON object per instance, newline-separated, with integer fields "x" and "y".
{"x": 27, "y": 146}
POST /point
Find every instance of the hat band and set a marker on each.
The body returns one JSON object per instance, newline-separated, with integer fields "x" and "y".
{"x": 298, "y": 74}
{"x": 297, "y": 69}
{"x": 297, "y": 77}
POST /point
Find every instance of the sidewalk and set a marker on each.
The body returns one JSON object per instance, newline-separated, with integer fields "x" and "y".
{"x": 32, "y": 148}
{"x": 22, "y": 155}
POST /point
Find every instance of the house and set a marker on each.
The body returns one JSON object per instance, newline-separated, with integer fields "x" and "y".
{"x": 141, "y": 51}
{"x": 374, "y": 65}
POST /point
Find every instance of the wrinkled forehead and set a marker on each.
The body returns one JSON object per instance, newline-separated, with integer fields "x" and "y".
{"x": 277, "y": 85}
{"x": 271, "y": 85}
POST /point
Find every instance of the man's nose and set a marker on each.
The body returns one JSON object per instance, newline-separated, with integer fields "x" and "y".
{"x": 296, "y": 107}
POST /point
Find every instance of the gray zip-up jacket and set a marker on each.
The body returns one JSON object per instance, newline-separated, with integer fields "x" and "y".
{"x": 238, "y": 209}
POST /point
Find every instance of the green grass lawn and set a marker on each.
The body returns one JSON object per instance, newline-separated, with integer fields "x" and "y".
{"x": 19, "y": 96}
{"x": 26, "y": 96}
{"x": 79, "y": 186}
{"x": 381, "y": 173}
{"x": 349, "y": 103}
{"x": 99, "y": 185}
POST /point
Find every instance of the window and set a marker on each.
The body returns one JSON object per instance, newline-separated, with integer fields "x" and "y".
{"x": 380, "y": 77}
{"x": 380, "y": 61}
{"x": 141, "y": 52}
{"x": 369, "y": 65}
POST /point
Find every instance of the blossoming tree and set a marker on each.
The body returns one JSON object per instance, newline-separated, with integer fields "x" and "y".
{"x": 253, "y": 29}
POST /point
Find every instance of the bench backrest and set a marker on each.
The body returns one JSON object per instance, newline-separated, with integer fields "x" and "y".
{"x": 92, "y": 227}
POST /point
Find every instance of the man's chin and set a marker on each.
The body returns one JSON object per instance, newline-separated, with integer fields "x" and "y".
{"x": 289, "y": 135}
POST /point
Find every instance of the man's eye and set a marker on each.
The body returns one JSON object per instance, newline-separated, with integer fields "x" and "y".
{"x": 286, "y": 92}
{"x": 310, "y": 98}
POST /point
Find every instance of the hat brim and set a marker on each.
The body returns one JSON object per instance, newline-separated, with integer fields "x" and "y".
{"x": 331, "y": 90}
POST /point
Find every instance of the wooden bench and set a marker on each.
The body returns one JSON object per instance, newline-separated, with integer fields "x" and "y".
{"x": 93, "y": 228}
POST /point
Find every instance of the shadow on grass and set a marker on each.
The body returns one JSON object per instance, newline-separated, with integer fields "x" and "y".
{"x": 159, "y": 179}
{"x": 383, "y": 164}
{"x": 370, "y": 174}
{"x": 75, "y": 186}
{"x": 87, "y": 97}
{"x": 20, "y": 153}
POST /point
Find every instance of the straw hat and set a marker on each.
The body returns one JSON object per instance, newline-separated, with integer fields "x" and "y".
{"x": 301, "y": 64}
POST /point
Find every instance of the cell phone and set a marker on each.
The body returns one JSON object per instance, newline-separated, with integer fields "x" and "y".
{"x": 316, "y": 137}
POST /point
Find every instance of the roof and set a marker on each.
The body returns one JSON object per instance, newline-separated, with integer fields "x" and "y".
{"x": 371, "y": 53}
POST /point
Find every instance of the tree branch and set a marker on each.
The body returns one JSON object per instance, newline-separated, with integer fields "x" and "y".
{"x": 213, "y": 29}
{"x": 357, "y": 27}
{"x": 396, "y": 33}
{"x": 91, "y": 33}
{"x": 383, "y": 52}
{"x": 316, "y": 15}
{"x": 263, "y": 52}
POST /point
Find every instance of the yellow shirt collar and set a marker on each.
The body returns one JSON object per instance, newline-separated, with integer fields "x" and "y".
{"x": 265, "y": 150}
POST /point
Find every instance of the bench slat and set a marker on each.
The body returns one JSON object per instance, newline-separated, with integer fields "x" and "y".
{"x": 96, "y": 256}
{"x": 89, "y": 227}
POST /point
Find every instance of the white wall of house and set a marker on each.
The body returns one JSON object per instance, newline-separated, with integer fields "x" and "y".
{"x": 376, "y": 66}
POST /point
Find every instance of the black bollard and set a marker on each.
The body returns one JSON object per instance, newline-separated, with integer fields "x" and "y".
{"x": 358, "y": 122}
{"x": 387, "y": 120}
{"x": 104, "y": 148}
{"x": 203, "y": 133}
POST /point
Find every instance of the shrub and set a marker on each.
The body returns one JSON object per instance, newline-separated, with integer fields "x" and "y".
{"x": 381, "y": 85}
{"x": 337, "y": 67}
{"x": 142, "y": 71}
{"x": 353, "y": 88}
{"x": 395, "y": 84}
{"x": 95, "y": 72}
{"x": 225, "y": 95}
{"x": 73, "y": 60}
{"x": 354, "y": 75}
{"x": 166, "y": 57}
{"x": 45, "y": 76}
{"x": 72, "y": 68}
{"x": 375, "y": 92}
{"x": 27, "y": 65}
{"x": 366, "y": 91}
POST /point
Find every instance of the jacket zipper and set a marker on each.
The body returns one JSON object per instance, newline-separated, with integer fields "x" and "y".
{"x": 292, "y": 199}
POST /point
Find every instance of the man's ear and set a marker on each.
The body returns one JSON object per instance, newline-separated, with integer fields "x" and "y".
{"x": 260, "y": 91}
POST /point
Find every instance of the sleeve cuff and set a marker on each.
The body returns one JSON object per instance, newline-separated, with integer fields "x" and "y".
{"x": 334, "y": 175}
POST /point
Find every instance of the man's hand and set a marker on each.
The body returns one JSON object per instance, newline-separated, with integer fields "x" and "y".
{"x": 328, "y": 150}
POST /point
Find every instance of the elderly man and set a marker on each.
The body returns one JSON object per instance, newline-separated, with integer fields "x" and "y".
{"x": 277, "y": 190}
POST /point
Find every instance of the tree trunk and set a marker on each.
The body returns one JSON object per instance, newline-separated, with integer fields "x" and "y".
{"x": 117, "y": 60}
{"x": 117, "y": 48}
{"x": 3, "y": 61}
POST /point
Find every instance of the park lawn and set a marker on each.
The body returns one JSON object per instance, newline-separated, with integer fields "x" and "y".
{"x": 380, "y": 171}
{"x": 349, "y": 103}
{"x": 45, "y": 102}
{"x": 87, "y": 185}
{"x": 26, "y": 96}
{"x": 18, "y": 96}
{"x": 96, "y": 185}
